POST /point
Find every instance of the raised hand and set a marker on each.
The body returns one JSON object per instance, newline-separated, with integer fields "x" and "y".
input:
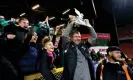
{"x": 57, "y": 29}
{"x": 87, "y": 22}
{"x": 11, "y": 36}
{"x": 13, "y": 19}
{"x": 72, "y": 19}
{"x": 2, "y": 16}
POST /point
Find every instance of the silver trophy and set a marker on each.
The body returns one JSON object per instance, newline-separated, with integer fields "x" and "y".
{"x": 79, "y": 19}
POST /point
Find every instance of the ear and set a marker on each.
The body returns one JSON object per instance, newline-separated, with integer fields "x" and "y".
{"x": 45, "y": 47}
{"x": 110, "y": 53}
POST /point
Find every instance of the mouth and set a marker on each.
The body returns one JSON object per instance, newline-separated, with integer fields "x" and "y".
{"x": 52, "y": 48}
{"x": 35, "y": 39}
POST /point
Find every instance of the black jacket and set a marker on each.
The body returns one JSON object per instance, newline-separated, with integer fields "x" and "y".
{"x": 8, "y": 59}
{"x": 12, "y": 46}
{"x": 70, "y": 60}
{"x": 112, "y": 71}
{"x": 45, "y": 65}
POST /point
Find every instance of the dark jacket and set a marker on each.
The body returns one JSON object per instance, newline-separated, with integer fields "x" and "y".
{"x": 45, "y": 65}
{"x": 28, "y": 62}
{"x": 112, "y": 71}
{"x": 7, "y": 70}
{"x": 59, "y": 61}
{"x": 70, "y": 60}
{"x": 12, "y": 46}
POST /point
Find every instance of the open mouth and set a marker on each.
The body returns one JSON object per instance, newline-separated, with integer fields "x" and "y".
{"x": 34, "y": 39}
{"x": 52, "y": 48}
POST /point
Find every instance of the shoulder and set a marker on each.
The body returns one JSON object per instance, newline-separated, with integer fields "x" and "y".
{"x": 21, "y": 29}
{"x": 9, "y": 27}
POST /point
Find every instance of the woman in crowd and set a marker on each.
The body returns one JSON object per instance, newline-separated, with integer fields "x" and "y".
{"x": 28, "y": 61}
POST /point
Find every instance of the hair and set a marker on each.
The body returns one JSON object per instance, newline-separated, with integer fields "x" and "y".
{"x": 20, "y": 19}
{"x": 113, "y": 48}
{"x": 45, "y": 40}
{"x": 75, "y": 31}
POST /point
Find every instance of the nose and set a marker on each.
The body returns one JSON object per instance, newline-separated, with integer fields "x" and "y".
{"x": 119, "y": 54}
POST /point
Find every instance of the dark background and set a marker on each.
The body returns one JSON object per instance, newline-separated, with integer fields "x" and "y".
{"x": 110, "y": 14}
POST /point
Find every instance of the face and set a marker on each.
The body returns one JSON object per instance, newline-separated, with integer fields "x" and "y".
{"x": 49, "y": 46}
{"x": 34, "y": 38}
{"x": 24, "y": 23}
{"x": 116, "y": 55}
{"x": 76, "y": 38}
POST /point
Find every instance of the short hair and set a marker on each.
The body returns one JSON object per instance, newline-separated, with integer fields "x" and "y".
{"x": 75, "y": 31}
{"x": 44, "y": 41}
{"x": 20, "y": 19}
{"x": 112, "y": 48}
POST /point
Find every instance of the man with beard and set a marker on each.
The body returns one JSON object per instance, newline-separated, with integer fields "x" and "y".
{"x": 112, "y": 68}
{"x": 77, "y": 62}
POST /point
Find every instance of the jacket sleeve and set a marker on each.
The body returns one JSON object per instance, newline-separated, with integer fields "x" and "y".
{"x": 5, "y": 23}
{"x": 54, "y": 39}
{"x": 65, "y": 34}
{"x": 25, "y": 46}
{"x": 93, "y": 37}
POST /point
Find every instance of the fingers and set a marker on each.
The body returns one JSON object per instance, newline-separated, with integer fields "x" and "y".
{"x": 11, "y": 36}
{"x": 13, "y": 19}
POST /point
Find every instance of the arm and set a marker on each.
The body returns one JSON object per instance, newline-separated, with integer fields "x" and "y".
{"x": 47, "y": 21}
{"x": 65, "y": 34}
{"x": 67, "y": 30}
{"x": 93, "y": 37}
{"x": 54, "y": 39}
{"x": 5, "y": 23}
{"x": 55, "y": 33}
{"x": 25, "y": 46}
{"x": 93, "y": 34}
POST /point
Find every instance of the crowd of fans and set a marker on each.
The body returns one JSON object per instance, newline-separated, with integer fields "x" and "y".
{"x": 28, "y": 50}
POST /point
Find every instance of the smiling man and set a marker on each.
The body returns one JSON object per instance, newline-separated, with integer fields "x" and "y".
{"x": 77, "y": 61}
{"x": 112, "y": 68}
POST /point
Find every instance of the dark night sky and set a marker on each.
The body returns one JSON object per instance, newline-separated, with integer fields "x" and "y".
{"x": 123, "y": 9}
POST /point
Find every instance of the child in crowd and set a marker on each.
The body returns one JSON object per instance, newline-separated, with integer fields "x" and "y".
{"x": 47, "y": 57}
